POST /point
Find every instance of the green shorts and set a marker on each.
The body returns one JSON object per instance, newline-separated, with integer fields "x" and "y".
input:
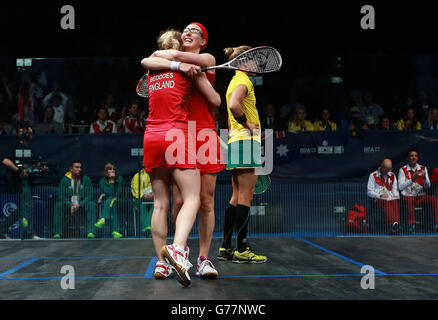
{"x": 244, "y": 154}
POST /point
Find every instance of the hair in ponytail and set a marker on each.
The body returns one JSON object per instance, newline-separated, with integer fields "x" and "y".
{"x": 231, "y": 53}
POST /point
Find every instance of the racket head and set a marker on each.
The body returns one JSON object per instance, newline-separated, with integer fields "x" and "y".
{"x": 142, "y": 87}
{"x": 263, "y": 59}
{"x": 263, "y": 184}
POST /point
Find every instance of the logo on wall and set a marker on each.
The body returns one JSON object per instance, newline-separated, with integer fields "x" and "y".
{"x": 8, "y": 208}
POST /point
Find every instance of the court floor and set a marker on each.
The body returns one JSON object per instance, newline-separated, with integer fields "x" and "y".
{"x": 298, "y": 268}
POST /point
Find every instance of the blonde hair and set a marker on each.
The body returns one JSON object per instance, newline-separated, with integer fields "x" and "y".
{"x": 231, "y": 53}
{"x": 170, "y": 39}
{"x": 107, "y": 167}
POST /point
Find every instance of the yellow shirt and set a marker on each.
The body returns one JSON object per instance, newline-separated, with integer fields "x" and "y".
{"x": 401, "y": 125}
{"x": 237, "y": 131}
{"x": 319, "y": 126}
{"x": 293, "y": 126}
{"x": 145, "y": 184}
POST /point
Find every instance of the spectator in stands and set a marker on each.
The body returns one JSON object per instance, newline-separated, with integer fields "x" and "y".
{"x": 287, "y": 110}
{"x": 113, "y": 109}
{"x": 270, "y": 120}
{"x": 383, "y": 191}
{"x": 49, "y": 125}
{"x": 75, "y": 195}
{"x": 432, "y": 120}
{"x": 357, "y": 126}
{"x": 423, "y": 107}
{"x": 385, "y": 124}
{"x": 141, "y": 189}
{"x": 6, "y": 128}
{"x": 131, "y": 122}
{"x": 58, "y": 101}
{"x": 102, "y": 124}
{"x": 111, "y": 186}
{"x": 370, "y": 111}
{"x": 38, "y": 79}
{"x": 26, "y": 104}
{"x": 299, "y": 122}
{"x": 413, "y": 179}
{"x": 324, "y": 124}
{"x": 409, "y": 122}
{"x": 397, "y": 107}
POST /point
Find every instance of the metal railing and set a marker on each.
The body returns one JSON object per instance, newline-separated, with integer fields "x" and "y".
{"x": 284, "y": 210}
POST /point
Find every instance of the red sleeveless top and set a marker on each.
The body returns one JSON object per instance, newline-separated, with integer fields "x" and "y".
{"x": 199, "y": 110}
{"x": 168, "y": 93}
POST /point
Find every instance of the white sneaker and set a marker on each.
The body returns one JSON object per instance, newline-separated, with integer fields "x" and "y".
{"x": 178, "y": 258}
{"x": 162, "y": 270}
{"x": 35, "y": 237}
{"x": 206, "y": 269}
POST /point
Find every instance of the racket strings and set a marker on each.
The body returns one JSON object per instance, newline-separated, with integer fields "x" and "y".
{"x": 261, "y": 60}
{"x": 142, "y": 87}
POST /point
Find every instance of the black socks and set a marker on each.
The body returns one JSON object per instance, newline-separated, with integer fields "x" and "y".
{"x": 230, "y": 217}
{"x": 242, "y": 217}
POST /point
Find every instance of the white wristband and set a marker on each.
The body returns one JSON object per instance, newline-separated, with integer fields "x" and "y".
{"x": 174, "y": 65}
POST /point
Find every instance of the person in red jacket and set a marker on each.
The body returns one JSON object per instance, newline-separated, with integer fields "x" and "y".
{"x": 102, "y": 124}
{"x": 383, "y": 190}
{"x": 413, "y": 179}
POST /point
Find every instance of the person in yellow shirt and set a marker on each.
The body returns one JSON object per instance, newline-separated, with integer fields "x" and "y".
{"x": 324, "y": 124}
{"x": 244, "y": 155}
{"x": 141, "y": 189}
{"x": 409, "y": 122}
{"x": 299, "y": 122}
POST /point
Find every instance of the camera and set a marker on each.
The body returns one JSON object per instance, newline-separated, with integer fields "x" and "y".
{"x": 35, "y": 168}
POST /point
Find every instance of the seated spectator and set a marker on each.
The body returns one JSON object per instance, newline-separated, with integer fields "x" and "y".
{"x": 413, "y": 179}
{"x": 270, "y": 120}
{"x": 102, "y": 124}
{"x": 58, "y": 101}
{"x": 26, "y": 104}
{"x": 112, "y": 108}
{"x": 383, "y": 190}
{"x": 370, "y": 111}
{"x": 299, "y": 121}
{"x": 409, "y": 122}
{"x": 432, "y": 120}
{"x": 357, "y": 126}
{"x": 75, "y": 195}
{"x": 141, "y": 189}
{"x": 423, "y": 107}
{"x": 385, "y": 124}
{"x": 131, "y": 123}
{"x": 6, "y": 128}
{"x": 49, "y": 125}
{"x": 324, "y": 124}
{"x": 111, "y": 186}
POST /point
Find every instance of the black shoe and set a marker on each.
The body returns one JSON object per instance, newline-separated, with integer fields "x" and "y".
{"x": 412, "y": 228}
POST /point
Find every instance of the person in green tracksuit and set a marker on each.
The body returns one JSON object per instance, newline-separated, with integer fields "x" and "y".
{"x": 141, "y": 189}
{"x": 75, "y": 193}
{"x": 112, "y": 186}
